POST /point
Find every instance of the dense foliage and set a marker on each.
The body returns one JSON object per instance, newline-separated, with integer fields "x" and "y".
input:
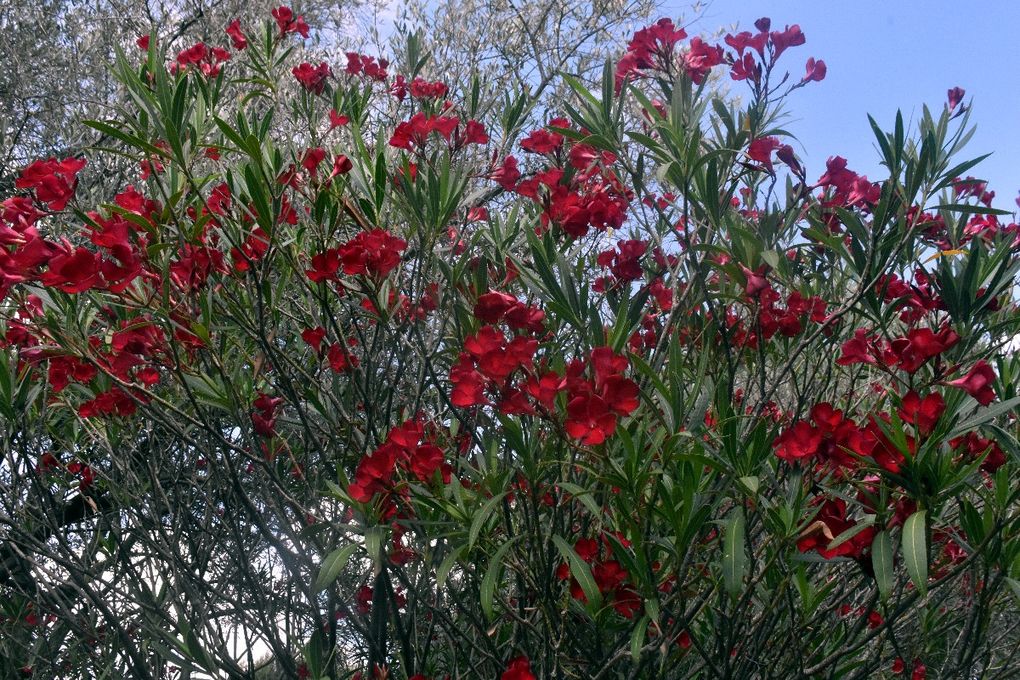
{"x": 410, "y": 387}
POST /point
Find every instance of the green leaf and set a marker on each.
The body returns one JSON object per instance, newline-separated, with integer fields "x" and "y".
{"x": 446, "y": 566}
{"x": 882, "y": 562}
{"x": 967, "y": 208}
{"x": 478, "y": 521}
{"x": 915, "y": 550}
{"x": 332, "y": 565}
{"x": 637, "y": 638}
{"x": 1014, "y": 585}
{"x": 581, "y": 572}
{"x": 488, "y": 587}
{"x": 984, "y": 415}
{"x": 734, "y": 557}
{"x": 374, "y": 538}
{"x": 129, "y": 139}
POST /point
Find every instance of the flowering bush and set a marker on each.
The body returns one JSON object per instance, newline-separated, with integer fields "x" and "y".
{"x": 423, "y": 393}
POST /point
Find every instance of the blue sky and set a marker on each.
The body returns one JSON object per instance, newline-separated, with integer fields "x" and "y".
{"x": 889, "y": 54}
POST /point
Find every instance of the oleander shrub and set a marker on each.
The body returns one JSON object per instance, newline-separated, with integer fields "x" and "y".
{"x": 422, "y": 390}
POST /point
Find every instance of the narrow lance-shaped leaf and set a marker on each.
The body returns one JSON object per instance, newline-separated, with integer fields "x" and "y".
{"x": 915, "y": 550}
{"x": 734, "y": 559}
{"x": 882, "y": 562}
{"x": 332, "y": 565}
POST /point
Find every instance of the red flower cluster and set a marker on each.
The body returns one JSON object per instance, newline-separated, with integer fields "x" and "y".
{"x": 914, "y": 299}
{"x": 208, "y": 60}
{"x": 265, "y": 412}
{"x": 494, "y": 307}
{"x": 288, "y": 23}
{"x": 403, "y": 447}
{"x": 112, "y": 402}
{"x": 624, "y": 262}
{"x": 908, "y": 353}
{"x": 768, "y": 317}
{"x": 974, "y": 446}
{"x": 591, "y": 198}
{"x": 845, "y": 188}
{"x": 423, "y": 89}
{"x": 518, "y": 669}
{"x": 372, "y": 253}
{"x": 594, "y": 404}
{"x": 369, "y": 67}
{"x": 830, "y": 522}
{"x": 415, "y": 131}
{"x": 651, "y": 47}
{"x": 488, "y": 364}
{"x": 609, "y": 574}
{"x": 312, "y": 78}
{"x": 837, "y": 441}
{"x": 52, "y": 181}
{"x": 829, "y": 437}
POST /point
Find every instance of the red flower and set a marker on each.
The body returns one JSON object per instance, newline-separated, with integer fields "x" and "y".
{"x": 589, "y": 419}
{"x": 781, "y": 40}
{"x": 872, "y": 442}
{"x": 341, "y": 166}
{"x": 955, "y": 96}
{"x": 815, "y": 71}
{"x": 324, "y": 265}
{"x": 264, "y": 419}
{"x": 922, "y": 344}
{"x": 922, "y": 413}
{"x": 375, "y": 253}
{"x": 336, "y": 120}
{"x": 288, "y": 23}
{"x": 73, "y": 271}
{"x": 830, "y": 522}
{"x": 507, "y": 175}
{"x": 491, "y": 307}
{"x": 474, "y": 133}
{"x": 340, "y": 358}
{"x": 978, "y": 383}
{"x": 761, "y": 149}
{"x": 312, "y": 78}
{"x": 312, "y": 158}
{"x": 798, "y": 442}
{"x": 53, "y": 181}
{"x": 542, "y": 141}
{"x": 625, "y": 261}
{"x": 518, "y": 669}
{"x": 236, "y": 36}
{"x": 700, "y": 59}
{"x": 468, "y": 384}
